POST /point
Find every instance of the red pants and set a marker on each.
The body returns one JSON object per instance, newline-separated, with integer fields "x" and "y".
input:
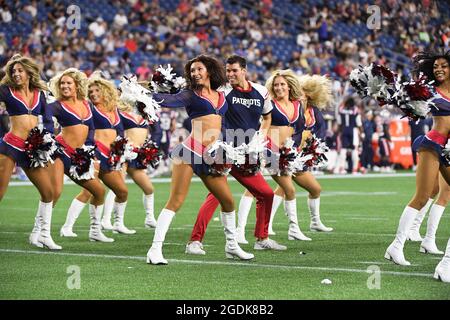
{"x": 258, "y": 187}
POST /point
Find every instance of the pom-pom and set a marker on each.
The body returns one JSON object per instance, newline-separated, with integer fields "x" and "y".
{"x": 223, "y": 156}
{"x": 148, "y": 154}
{"x": 140, "y": 97}
{"x": 40, "y": 147}
{"x": 313, "y": 153}
{"x": 121, "y": 151}
{"x": 164, "y": 81}
{"x": 82, "y": 167}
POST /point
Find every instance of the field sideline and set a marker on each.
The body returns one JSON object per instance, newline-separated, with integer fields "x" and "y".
{"x": 363, "y": 210}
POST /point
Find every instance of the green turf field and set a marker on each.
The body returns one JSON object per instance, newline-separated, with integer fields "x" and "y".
{"x": 363, "y": 211}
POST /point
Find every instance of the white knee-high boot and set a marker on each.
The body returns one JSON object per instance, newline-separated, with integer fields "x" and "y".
{"x": 275, "y": 204}
{"x": 395, "y": 251}
{"x": 244, "y": 208}
{"x": 119, "y": 212}
{"x": 442, "y": 270}
{"x": 154, "y": 254}
{"x": 414, "y": 232}
{"x": 35, "y": 233}
{"x": 95, "y": 231}
{"x": 428, "y": 244}
{"x": 232, "y": 248}
{"x": 107, "y": 210}
{"x": 314, "y": 211}
{"x": 148, "y": 200}
{"x": 45, "y": 237}
{"x": 294, "y": 233}
{"x": 75, "y": 209}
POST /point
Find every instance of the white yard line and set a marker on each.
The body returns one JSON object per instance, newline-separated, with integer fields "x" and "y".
{"x": 222, "y": 263}
{"x": 196, "y": 179}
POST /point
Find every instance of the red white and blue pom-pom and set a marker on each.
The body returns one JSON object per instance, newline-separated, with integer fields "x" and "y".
{"x": 446, "y": 152}
{"x": 414, "y": 97}
{"x": 121, "y": 152}
{"x": 164, "y": 81}
{"x": 149, "y": 154}
{"x": 40, "y": 147}
{"x": 374, "y": 81}
{"x": 254, "y": 154}
{"x": 223, "y": 156}
{"x": 82, "y": 167}
{"x": 139, "y": 97}
{"x": 288, "y": 153}
{"x": 312, "y": 154}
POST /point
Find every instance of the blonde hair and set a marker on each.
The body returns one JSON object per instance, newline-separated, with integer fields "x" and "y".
{"x": 295, "y": 91}
{"x": 317, "y": 89}
{"x": 107, "y": 89}
{"x": 31, "y": 68}
{"x": 123, "y": 106}
{"x": 80, "y": 79}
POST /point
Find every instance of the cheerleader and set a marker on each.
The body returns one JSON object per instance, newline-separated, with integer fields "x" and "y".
{"x": 26, "y": 144}
{"x": 136, "y": 131}
{"x": 430, "y": 148}
{"x": 205, "y": 107}
{"x": 76, "y": 155}
{"x": 108, "y": 127}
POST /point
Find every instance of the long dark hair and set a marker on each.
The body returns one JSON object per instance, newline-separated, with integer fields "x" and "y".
{"x": 215, "y": 70}
{"x": 424, "y": 63}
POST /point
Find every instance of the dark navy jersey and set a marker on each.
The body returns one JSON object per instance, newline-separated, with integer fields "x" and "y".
{"x": 165, "y": 124}
{"x": 349, "y": 119}
{"x": 16, "y": 105}
{"x": 442, "y": 104}
{"x": 245, "y": 107}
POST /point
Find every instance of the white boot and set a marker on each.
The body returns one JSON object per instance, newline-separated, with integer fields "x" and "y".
{"x": 395, "y": 251}
{"x": 95, "y": 231}
{"x": 107, "y": 210}
{"x": 232, "y": 248}
{"x": 294, "y": 233}
{"x": 428, "y": 244}
{"x": 34, "y": 236}
{"x": 244, "y": 208}
{"x": 275, "y": 204}
{"x": 45, "y": 237}
{"x": 119, "y": 211}
{"x": 442, "y": 271}
{"x": 76, "y": 207}
{"x": 314, "y": 211}
{"x": 414, "y": 232}
{"x": 154, "y": 254}
{"x": 150, "y": 221}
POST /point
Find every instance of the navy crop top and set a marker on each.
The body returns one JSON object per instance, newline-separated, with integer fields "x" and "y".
{"x": 129, "y": 121}
{"x": 316, "y": 124}
{"x": 16, "y": 105}
{"x": 195, "y": 104}
{"x": 442, "y": 103}
{"x": 280, "y": 116}
{"x": 102, "y": 121}
{"x": 67, "y": 117}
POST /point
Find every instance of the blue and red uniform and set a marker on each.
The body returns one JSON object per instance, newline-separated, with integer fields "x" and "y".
{"x": 434, "y": 140}
{"x": 12, "y": 145}
{"x": 192, "y": 151}
{"x": 245, "y": 108}
{"x": 67, "y": 117}
{"x": 129, "y": 121}
{"x": 102, "y": 121}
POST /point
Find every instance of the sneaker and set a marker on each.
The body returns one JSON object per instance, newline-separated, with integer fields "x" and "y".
{"x": 195, "y": 247}
{"x": 268, "y": 244}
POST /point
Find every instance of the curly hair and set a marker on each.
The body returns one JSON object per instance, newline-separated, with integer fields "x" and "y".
{"x": 424, "y": 63}
{"x": 108, "y": 91}
{"x": 79, "y": 77}
{"x": 215, "y": 69}
{"x": 295, "y": 91}
{"x": 317, "y": 89}
{"x": 31, "y": 68}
